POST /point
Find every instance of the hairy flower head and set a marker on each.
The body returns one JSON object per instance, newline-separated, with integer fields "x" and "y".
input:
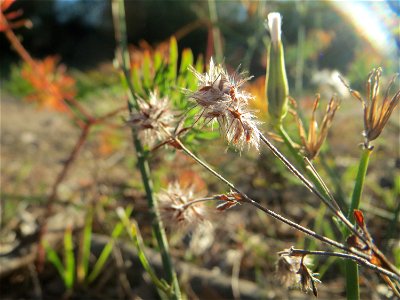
{"x": 178, "y": 207}
{"x": 153, "y": 118}
{"x": 221, "y": 99}
{"x": 377, "y": 110}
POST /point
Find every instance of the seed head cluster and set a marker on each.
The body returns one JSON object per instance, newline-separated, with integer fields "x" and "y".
{"x": 377, "y": 109}
{"x": 313, "y": 141}
{"x": 221, "y": 99}
{"x": 153, "y": 119}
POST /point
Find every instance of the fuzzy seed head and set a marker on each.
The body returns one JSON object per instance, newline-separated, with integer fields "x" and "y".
{"x": 153, "y": 117}
{"x": 176, "y": 209}
{"x": 221, "y": 99}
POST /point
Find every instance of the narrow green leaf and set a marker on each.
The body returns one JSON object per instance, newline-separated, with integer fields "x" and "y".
{"x": 106, "y": 252}
{"x": 186, "y": 60}
{"x": 83, "y": 264}
{"x": 146, "y": 71}
{"x": 134, "y": 234}
{"x": 136, "y": 82}
{"x": 199, "y": 64}
{"x": 192, "y": 80}
{"x": 53, "y": 257}
{"x": 173, "y": 60}
{"x": 69, "y": 258}
{"x": 157, "y": 61}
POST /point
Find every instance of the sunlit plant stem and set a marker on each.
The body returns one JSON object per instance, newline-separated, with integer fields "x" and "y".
{"x": 143, "y": 166}
{"x": 352, "y": 277}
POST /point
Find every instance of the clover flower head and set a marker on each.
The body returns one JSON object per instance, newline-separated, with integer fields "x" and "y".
{"x": 154, "y": 118}
{"x": 178, "y": 208}
{"x": 221, "y": 99}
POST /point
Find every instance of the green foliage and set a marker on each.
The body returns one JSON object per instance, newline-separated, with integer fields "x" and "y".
{"x": 92, "y": 83}
{"x": 68, "y": 269}
{"x": 15, "y": 84}
{"x": 133, "y": 231}
{"x": 170, "y": 76}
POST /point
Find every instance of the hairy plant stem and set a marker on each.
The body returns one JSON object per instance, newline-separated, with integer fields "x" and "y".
{"x": 352, "y": 277}
{"x": 360, "y": 257}
{"x": 143, "y": 166}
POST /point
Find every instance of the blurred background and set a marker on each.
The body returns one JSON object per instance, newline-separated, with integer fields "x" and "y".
{"x": 351, "y": 37}
{"x": 322, "y": 39}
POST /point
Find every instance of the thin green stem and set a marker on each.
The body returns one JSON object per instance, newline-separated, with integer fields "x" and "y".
{"x": 358, "y": 187}
{"x": 348, "y": 257}
{"x": 216, "y": 33}
{"x": 290, "y": 145}
{"x": 352, "y": 277}
{"x": 143, "y": 165}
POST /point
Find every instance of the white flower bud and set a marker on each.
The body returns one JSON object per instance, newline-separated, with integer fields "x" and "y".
{"x": 274, "y": 25}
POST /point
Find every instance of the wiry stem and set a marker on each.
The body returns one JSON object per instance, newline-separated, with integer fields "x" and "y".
{"x": 247, "y": 199}
{"x": 16, "y": 43}
{"x": 352, "y": 257}
{"x": 332, "y": 205}
{"x": 362, "y": 258}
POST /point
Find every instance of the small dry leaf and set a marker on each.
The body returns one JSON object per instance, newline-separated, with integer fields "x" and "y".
{"x": 355, "y": 242}
{"x": 375, "y": 260}
{"x": 226, "y": 205}
{"x": 359, "y": 217}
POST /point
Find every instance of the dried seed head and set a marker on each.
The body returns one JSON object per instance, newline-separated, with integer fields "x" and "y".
{"x": 220, "y": 98}
{"x": 153, "y": 118}
{"x": 241, "y": 128}
{"x": 313, "y": 142}
{"x": 178, "y": 207}
{"x": 292, "y": 270}
{"x": 377, "y": 111}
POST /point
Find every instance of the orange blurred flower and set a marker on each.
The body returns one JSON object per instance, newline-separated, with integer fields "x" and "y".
{"x": 257, "y": 89}
{"x": 146, "y": 52}
{"x": 52, "y": 87}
